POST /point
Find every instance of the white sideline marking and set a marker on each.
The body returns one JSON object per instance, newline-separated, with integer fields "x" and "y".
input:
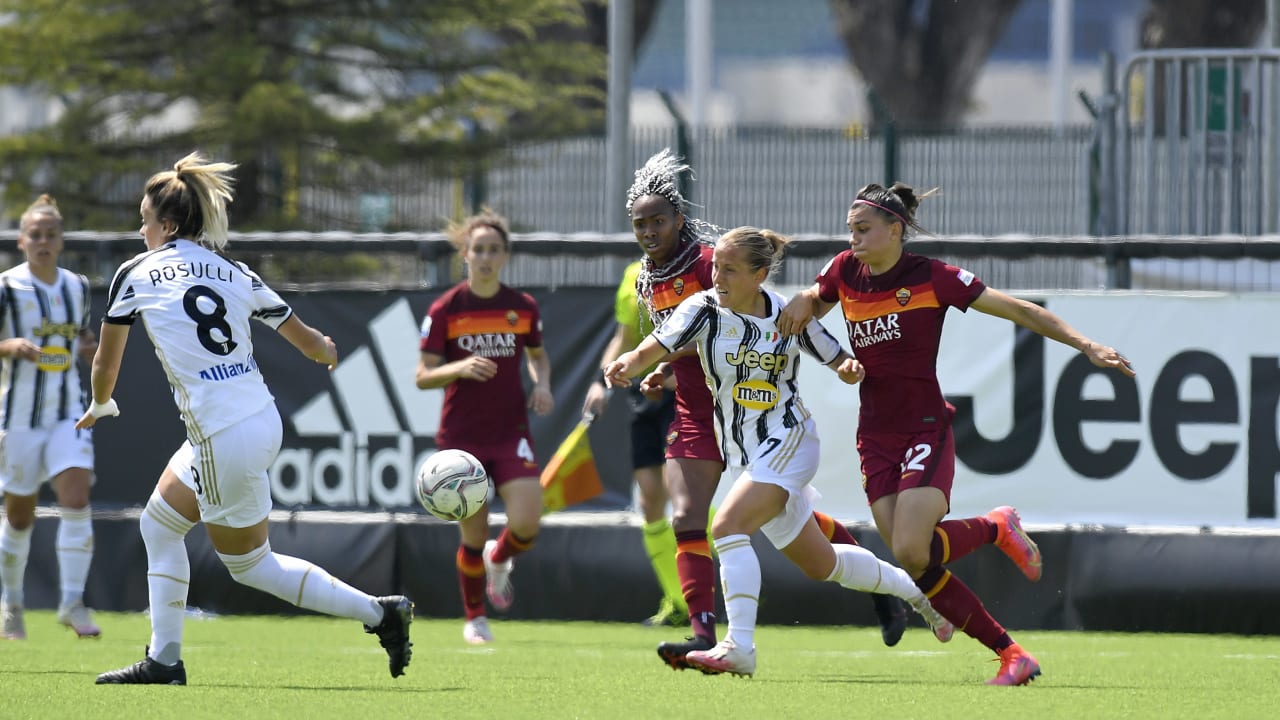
{"x": 627, "y": 518}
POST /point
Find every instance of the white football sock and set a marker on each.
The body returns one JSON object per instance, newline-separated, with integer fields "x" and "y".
{"x": 75, "y": 552}
{"x": 15, "y": 547}
{"x": 164, "y": 532}
{"x": 302, "y": 583}
{"x": 740, "y": 574}
{"x": 857, "y": 568}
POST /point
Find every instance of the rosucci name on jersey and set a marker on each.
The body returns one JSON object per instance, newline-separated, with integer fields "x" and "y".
{"x": 182, "y": 270}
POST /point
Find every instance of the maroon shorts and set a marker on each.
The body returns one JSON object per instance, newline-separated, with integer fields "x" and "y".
{"x": 893, "y": 462}
{"x": 505, "y": 461}
{"x": 688, "y": 438}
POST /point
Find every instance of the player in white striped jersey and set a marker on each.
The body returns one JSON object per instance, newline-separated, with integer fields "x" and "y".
{"x": 196, "y": 305}
{"x": 44, "y": 327}
{"x": 769, "y": 440}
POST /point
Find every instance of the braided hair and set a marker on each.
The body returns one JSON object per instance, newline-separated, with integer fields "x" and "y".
{"x": 659, "y": 176}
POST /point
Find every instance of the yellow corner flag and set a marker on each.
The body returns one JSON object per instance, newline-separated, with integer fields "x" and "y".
{"x": 571, "y": 477}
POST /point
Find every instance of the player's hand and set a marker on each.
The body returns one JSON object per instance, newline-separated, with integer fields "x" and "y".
{"x": 480, "y": 369}
{"x": 540, "y": 400}
{"x": 329, "y": 355}
{"x": 796, "y": 314}
{"x": 88, "y": 345}
{"x": 615, "y": 373}
{"x": 851, "y": 372}
{"x": 654, "y": 383}
{"x": 86, "y": 421}
{"x": 20, "y": 348}
{"x": 1108, "y": 357}
{"x": 594, "y": 402}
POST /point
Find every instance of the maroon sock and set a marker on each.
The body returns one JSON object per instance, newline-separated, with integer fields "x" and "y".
{"x": 953, "y": 539}
{"x": 958, "y": 604}
{"x": 697, "y": 581}
{"x": 838, "y": 534}
{"x": 510, "y": 545}
{"x": 470, "y": 563}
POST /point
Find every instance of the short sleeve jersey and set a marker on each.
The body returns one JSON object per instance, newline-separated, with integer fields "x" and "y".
{"x": 460, "y": 324}
{"x": 693, "y": 398}
{"x": 750, "y": 366}
{"x": 38, "y": 394}
{"x": 196, "y": 306}
{"x": 626, "y": 305}
{"x": 894, "y": 322}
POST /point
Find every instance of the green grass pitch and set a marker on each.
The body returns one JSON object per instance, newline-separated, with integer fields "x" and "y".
{"x": 312, "y": 668}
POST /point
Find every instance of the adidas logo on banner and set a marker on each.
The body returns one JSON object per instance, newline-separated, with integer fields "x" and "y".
{"x": 373, "y": 460}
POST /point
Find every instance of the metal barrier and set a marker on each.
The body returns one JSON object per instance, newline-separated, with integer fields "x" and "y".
{"x": 335, "y": 260}
{"x": 1198, "y": 143}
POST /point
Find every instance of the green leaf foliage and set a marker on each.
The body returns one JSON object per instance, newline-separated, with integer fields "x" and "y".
{"x": 295, "y": 91}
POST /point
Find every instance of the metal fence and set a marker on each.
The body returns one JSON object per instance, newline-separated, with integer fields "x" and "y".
{"x": 801, "y": 180}
{"x": 324, "y": 261}
{"x": 1198, "y": 143}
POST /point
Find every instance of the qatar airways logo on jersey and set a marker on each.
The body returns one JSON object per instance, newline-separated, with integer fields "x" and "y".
{"x": 865, "y": 333}
{"x": 490, "y": 345}
{"x": 360, "y": 444}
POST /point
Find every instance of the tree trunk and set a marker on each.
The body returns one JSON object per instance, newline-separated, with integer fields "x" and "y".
{"x": 921, "y": 66}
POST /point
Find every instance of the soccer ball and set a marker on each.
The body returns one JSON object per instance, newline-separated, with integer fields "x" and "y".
{"x": 453, "y": 485}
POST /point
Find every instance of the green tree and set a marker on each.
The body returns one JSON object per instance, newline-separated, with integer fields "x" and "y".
{"x": 269, "y": 84}
{"x": 921, "y": 58}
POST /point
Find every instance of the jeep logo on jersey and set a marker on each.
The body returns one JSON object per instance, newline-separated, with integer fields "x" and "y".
{"x": 768, "y": 362}
{"x": 755, "y": 394}
{"x": 50, "y": 329}
{"x": 360, "y": 444}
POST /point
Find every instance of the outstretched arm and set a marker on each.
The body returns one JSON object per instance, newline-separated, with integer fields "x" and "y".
{"x": 805, "y": 306}
{"x": 619, "y": 372}
{"x": 309, "y": 341}
{"x": 1039, "y": 320}
{"x": 106, "y": 370}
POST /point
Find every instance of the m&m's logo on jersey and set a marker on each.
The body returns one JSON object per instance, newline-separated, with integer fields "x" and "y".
{"x": 755, "y": 394}
{"x": 54, "y": 359}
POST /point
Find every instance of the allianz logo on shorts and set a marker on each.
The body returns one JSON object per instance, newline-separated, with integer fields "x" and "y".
{"x": 369, "y": 458}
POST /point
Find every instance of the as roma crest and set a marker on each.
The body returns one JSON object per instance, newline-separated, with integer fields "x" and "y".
{"x": 678, "y": 286}
{"x": 904, "y": 296}
{"x": 512, "y": 317}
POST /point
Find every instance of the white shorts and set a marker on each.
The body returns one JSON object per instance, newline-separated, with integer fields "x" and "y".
{"x": 790, "y": 464}
{"x": 228, "y": 472}
{"x": 30, "y": 457}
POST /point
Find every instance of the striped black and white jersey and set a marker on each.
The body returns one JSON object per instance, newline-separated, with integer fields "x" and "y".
{"x": 196, "y": 306}
{"x": 750, "y": 367}
{"x": 39, "y": 394}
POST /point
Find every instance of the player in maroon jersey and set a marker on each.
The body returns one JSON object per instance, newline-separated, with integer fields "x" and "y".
{"x": 676, "y": 266}
{"x": 893, "y": 304}
{"x": 473, "y": 340}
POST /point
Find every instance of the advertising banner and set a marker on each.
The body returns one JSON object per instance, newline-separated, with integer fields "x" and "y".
{"x": 1192, "y": 441}
{"x": 353, "y": 437}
